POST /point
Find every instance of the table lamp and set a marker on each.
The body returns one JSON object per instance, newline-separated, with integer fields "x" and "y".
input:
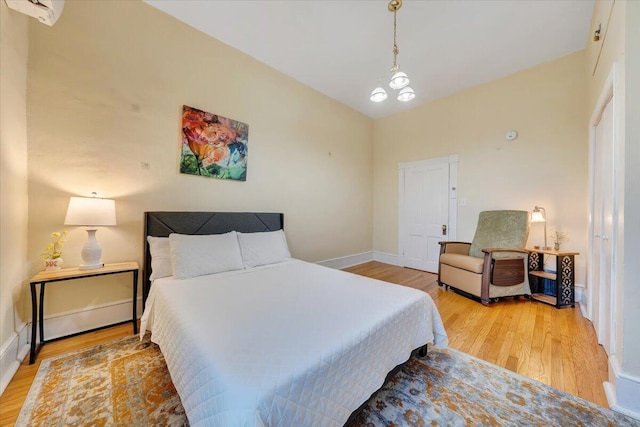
{"x": 539, "y": 214}
{"x": 91, "y": 212}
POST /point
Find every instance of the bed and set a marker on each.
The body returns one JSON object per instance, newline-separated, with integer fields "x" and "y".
{"x": 278, "y": 343}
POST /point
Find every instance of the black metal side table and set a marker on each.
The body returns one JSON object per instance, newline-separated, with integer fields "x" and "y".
{"x": 563, "y": 278}
{"x": 44, "y": 277}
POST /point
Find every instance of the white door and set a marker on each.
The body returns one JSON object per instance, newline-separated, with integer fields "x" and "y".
{"x": 424, "y": 212}
{"x": 596, "y": 248}
{"x": 603, "y": 193}
{"x": 603, "y": 225}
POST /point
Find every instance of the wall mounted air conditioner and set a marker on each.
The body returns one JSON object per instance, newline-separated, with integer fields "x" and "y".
{"x": 46, "y": 11}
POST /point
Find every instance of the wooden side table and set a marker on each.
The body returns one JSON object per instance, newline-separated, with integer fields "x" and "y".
{"x": 45, "y": 277}
{"x": 564, "y": 277}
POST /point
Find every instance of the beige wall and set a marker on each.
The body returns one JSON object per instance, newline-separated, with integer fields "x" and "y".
{"x": 13, "y": 171}
{"x": 546, "y": 165}
{"x": 106, "y": 87}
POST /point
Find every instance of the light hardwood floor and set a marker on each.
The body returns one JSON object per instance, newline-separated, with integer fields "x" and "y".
{"x": 556, "y": 347}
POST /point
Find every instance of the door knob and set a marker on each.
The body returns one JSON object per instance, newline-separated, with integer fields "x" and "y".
{"x": 444, "y": 229}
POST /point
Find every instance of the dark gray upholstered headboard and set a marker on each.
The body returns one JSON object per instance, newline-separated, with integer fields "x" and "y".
{"x": 161, "y": 224}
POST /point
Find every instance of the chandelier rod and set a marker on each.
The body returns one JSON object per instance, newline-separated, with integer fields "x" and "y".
{"x": 395, "y": 45}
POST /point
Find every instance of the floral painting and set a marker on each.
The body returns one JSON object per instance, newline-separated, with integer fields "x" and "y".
{"x": 213, "y": 146}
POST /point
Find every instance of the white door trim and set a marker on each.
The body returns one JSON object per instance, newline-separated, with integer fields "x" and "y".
{"x": 608, "y": 94}
{"x": 452, "y": 226}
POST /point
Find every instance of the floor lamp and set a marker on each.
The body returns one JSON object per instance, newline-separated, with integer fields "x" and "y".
{"x": 539, "y": 214}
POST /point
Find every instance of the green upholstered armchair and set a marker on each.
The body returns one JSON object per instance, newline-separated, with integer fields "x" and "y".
{"x": 495, "y": 264}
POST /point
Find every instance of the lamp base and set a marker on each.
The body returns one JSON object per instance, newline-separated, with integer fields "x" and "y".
{"x": 91, "y": 252}
{"x": 91, "y": 266}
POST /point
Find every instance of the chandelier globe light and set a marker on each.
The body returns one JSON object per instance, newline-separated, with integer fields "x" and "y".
{"x": 406, "y": 94}
{"x": 378, "y": 94}
{"x": 399, "y": 79}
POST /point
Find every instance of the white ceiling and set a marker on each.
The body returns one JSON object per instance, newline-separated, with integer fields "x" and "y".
{"x": 344, "y": 48}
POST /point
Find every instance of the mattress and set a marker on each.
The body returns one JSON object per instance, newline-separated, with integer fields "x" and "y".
{"x": 291, "y": 343}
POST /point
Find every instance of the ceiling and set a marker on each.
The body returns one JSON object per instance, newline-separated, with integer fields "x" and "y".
{"x": 343, "y": 48}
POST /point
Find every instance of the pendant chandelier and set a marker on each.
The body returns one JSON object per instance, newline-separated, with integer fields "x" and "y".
{"x": 399, "y": 80}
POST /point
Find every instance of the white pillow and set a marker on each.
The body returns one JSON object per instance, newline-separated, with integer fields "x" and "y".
{"x": 263, "y": 248}
{"x": 195, "y": 255}
{"x": 160, "y": 257}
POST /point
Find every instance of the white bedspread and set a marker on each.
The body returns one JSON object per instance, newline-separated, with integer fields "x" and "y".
{"x": 290, "y": 344}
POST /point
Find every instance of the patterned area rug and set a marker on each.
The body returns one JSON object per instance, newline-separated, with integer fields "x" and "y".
{"x": 126, "y": 383}
{"x": 121, "y": 383}
{"x": 451, "y": 388}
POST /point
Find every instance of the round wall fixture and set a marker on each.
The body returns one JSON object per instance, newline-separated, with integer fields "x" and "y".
{"x": 511, "y": 135}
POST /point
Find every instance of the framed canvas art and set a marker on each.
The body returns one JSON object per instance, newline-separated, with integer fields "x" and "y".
{"x": 213, "y": 146}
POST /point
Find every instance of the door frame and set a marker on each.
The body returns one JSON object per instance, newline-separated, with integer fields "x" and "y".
{"x": 609, "y": 94}
{"x": 452, "y": 222}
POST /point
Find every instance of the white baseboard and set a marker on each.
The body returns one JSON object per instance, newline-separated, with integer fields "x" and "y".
{"x": 97, "y": 316}
{"x": 61, "y": 324}
{"x": 392, "y": 259}
{"x": 347, "y": 261}
{"x": 622, "y": 390}
{"x": 579, "y": 292}
{"x": 12, "y": 353}
{"x": 583, "y": 310}
{"x": 356, "y": 259}
{"x": 580, "y": 296}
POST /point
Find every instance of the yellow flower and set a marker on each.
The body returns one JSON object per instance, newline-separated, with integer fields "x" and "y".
{"x": 54, "y": 250}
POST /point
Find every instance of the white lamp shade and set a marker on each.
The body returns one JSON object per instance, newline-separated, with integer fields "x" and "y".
{"x": 537, "y": 216}
{"x": 398, "y": 80}
{"x": 91, "y": 211}
{"x": 406, "y": 94}
{"x": 378, "y": 94}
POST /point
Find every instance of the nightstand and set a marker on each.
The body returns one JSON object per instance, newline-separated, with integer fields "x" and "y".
{"x": 45, "y": 277}
{"x": 563, "y": 279}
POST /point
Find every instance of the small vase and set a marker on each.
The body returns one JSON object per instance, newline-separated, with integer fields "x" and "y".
{"x": 556, "y": 246}
{"x": 53, "y": 264}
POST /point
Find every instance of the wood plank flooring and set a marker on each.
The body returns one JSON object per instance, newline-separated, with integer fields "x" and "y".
{"x": 556, "y": 347}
